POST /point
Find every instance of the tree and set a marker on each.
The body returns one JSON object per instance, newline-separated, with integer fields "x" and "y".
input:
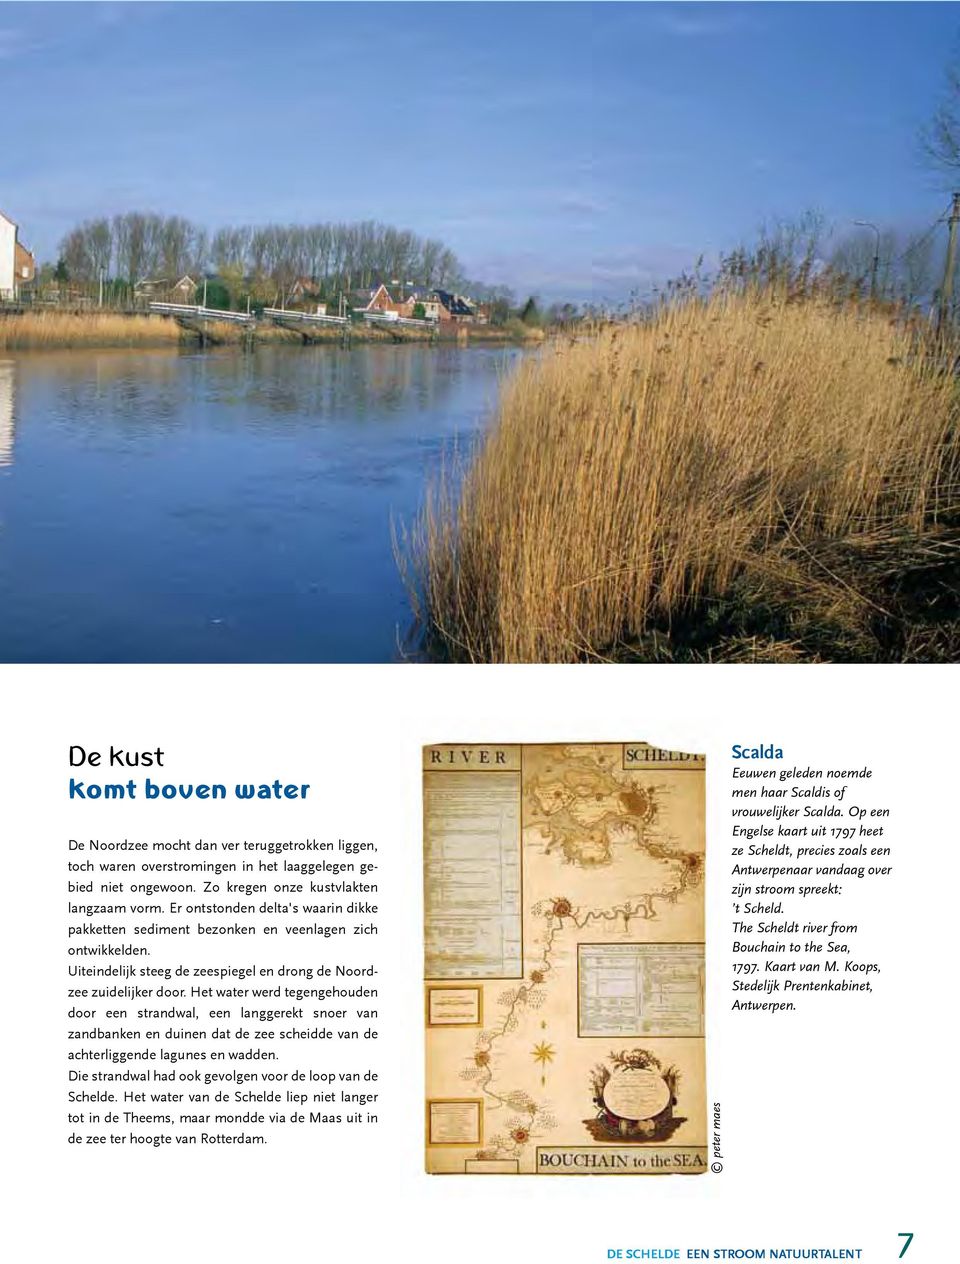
{"x": 100, "y": 245}
{"x": 218, "y": 296}
{"x": 853, "y": 255}
{"x": 231, "y": 276}
{"x": 75, "y": 255}
{"x": 448, "y": 268}
{"x": 500, "y": 309}
{"x": 918, "y": 268}
{"x": 530, "y": 314}
{"x": 130, "y": 234}
{"x": 905, "y": 269}
{"x": 176, "y": 239}
{"x": 60, "y": 272}
{"x": 430, "y": 252}
{"x": 563, "y": 314}
{"x": 264, "y": 260}
{"x": 419, "y": 312}
{"x": 940, "y": 138}
{"x": 229, "y": 248}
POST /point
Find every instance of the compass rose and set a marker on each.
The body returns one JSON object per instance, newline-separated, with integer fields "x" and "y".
{"x": 543, "y": 1053}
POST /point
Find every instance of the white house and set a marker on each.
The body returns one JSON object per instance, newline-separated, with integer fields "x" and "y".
{"x": 8, "y": 258}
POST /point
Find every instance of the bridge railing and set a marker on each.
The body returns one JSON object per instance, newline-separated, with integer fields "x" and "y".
{"x": 202, "y": 313}
{"x": 390, "y": 319}
{"x": 304, "y": 318}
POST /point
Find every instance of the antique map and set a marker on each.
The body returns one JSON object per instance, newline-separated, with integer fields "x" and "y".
{"x": 564, "y": 960}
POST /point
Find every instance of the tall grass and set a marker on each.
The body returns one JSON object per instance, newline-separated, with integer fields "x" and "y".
{"x": 58, "y": 330}
{"x": 49, "y": 330}
{"x": 713, "y": 482}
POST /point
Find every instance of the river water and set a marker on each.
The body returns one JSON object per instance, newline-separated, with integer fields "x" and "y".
{"x": 180, "y": 506}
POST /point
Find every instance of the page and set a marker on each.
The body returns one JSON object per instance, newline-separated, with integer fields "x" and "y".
{"x": 479, "y": 631}
{"x": 231, "y": 987}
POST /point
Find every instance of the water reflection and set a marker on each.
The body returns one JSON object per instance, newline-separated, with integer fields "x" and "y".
{"x": 8, "y": 388}
{"x": 184, "y": 506}
{"x": 298, "y": 387}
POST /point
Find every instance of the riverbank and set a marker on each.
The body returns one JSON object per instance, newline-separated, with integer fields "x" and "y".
{"x": 58, "y": 331}
{"x": 743, "y": 479}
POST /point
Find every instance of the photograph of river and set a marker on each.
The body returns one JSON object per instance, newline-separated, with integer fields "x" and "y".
{"x": 176, "y": 506}
{"x": 480, "y": 333}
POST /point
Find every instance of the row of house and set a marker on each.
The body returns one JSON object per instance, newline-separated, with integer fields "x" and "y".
{"x": 18, "y": 272}
{"x": 17, "y": 265}
{"x": 430, "y": 304}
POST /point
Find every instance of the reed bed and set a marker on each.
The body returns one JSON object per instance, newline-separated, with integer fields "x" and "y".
{"x": 739, "y": 477}
{"x": 58, "y": 330}
{"x": 54, "y": 330}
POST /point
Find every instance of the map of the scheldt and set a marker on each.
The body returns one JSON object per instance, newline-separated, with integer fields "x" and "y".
{"x": 564, "y": 962}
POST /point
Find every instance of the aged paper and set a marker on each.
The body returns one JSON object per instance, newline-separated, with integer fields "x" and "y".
{"x": 564, "y": 960}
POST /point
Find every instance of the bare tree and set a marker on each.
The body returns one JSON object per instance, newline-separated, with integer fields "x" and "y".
{"x": 130, "y": 243}
{"x": 940, "y": 138}
{"x": 229, "y": 247}
{"x": 430, "y": 252}
{"x": 853, "y": 258}
{"x": 100, "y": 245}
{"x": 267, "y": 258}
{"x": 448, "y": 267}
{"x": 917, "y": 268}
{"x": 200, "y": 251}
{"x": 175, "y": 241}
{"x": 75, "y": 255}
{"x": 87, "y": 249}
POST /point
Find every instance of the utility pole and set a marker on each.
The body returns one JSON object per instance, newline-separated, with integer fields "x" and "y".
{"x": 946, "y": 289}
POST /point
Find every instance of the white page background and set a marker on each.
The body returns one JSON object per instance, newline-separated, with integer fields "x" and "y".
{"x": 839, "y": 1121}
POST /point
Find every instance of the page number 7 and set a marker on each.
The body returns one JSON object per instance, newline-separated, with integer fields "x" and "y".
{"x": 909, "y": 1237}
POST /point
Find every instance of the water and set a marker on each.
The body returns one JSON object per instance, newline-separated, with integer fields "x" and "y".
{"x": 220, "y": 507}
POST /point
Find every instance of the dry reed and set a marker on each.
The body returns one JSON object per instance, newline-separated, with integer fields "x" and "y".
{"x": 736, "y": 450}
{"x": 58, "y": 330}
{"x": 54, "y": 330}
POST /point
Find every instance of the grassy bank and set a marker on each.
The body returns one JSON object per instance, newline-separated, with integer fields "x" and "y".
{"x": 31, "y": 331}
{"x": 737, "y": 479}
{"x": 51, "y": 331}
{"x": 363, "y": 332}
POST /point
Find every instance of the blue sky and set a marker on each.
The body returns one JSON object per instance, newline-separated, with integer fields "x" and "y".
{"x": 572, "y": 150}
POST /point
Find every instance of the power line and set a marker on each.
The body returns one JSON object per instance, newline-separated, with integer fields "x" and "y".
{"x": 915, "y": 245}
{"x": 920, "y": 241}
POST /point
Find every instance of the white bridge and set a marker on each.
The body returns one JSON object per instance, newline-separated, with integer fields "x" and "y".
{"x": 280, "y": 316}
{"x": 199, "y": 318}
{"x": 391, "y": 318}
{"x": 184, "y": 312}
